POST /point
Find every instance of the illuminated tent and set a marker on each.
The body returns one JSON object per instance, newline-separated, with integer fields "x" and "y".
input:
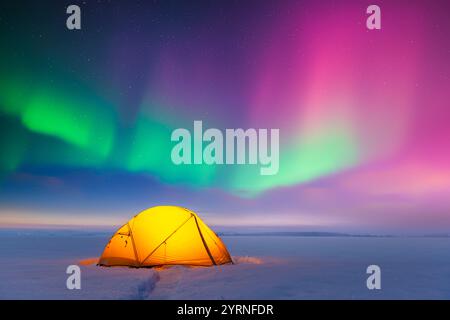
{"x": 165, "y": 235}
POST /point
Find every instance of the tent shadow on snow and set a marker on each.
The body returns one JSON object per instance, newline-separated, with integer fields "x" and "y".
{"x": 164, "y": 236}
{"x": 237, "y": 260}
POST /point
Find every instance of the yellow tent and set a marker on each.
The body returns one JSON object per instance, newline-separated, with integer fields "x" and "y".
{"x": 165, "y": 235}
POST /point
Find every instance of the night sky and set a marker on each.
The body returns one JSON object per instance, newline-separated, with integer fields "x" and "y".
{"x": 86, "y": 115}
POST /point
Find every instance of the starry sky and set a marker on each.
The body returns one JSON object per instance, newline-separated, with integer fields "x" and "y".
{"x": 86, "y": 116}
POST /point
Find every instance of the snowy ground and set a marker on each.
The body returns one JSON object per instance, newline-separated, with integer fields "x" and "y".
{"x": 33, "y": 264}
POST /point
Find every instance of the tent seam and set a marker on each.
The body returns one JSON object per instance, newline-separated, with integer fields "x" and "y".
{"x": 204, "y": 243}
{"x": 136, "y": 256}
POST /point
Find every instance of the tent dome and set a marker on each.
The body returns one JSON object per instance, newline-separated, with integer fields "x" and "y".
{"x": 165, "y": 235}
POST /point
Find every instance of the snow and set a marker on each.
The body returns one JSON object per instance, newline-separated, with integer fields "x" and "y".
{"x": 33, "y": 265}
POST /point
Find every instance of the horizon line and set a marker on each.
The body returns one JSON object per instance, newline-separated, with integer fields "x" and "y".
{"x": 275, "y": 230}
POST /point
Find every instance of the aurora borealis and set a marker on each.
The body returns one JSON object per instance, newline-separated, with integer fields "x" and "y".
{"x": 86, "y": 116}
